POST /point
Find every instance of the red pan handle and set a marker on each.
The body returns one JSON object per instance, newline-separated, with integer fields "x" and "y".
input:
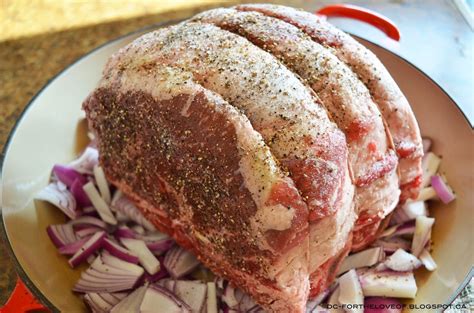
{"x": 365, "y": 15}
{"x": 22, "y": 301}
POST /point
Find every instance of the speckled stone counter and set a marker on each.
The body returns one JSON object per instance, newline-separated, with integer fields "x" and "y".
{"x": 27, "y": 63}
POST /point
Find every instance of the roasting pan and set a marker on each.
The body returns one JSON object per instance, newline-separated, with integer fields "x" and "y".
{"x": 51, "y": 130}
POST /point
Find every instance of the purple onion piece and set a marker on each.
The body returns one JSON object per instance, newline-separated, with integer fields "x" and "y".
{"x": 119, "y": 251}
{"x": 68, "y": 175}
{"x": 79, "y": 194}
{"x": 90, "y": 246}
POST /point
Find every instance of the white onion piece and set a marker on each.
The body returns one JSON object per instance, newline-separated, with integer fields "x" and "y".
{"x": 402, "y": 261}
{"x": 158, "y": 298}
{"x": 131, "y": 303}
{"x": 211, "y": 299}
{"x": 387, "y": 284}
{"x": 60, "y": 198}
{"x": 99, "y": 203}
{"x": 414, "y": 209}
{"x": 97, "y": 303}
{"x": 123, "y": 205}
{"x": 102, "y": 183}
{"x": 170, "y": 284}
{"x": 146, "y": 258}
{"x": 422, "y": 234}
{"x": 179, "y": 262}
{"x": 444, "y": 192}
{"x": 429, "y": 165}
{"x": 193, "y": 293}
{"x": 427, "y": 193}
{"x": 138, "y": 229}
{"x": 427, "y": 260}
{"x": 364, "y": 258}
{"x": 101, "y": 276}
{"x": 351, "y": 292}
{"x": 90, "y": 246}
{"x": 426, "y": 144}
{"x": 121, "y": 265}
{"x": 229, "y": 297}
{"x": 86, "y": 162}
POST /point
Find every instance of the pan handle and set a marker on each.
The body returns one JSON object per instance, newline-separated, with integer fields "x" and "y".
{"x": 365, "y": 15}
{"x": 21, "y": 301}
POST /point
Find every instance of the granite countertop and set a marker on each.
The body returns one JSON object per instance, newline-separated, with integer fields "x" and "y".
{"x": 31, "y": 53}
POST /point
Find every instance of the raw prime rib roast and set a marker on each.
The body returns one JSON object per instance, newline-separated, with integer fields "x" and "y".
{"x": 263, "y": 139}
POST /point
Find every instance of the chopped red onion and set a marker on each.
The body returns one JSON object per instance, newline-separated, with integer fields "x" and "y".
{"x": 180, "y": 262}
{"x": 62, "y": 199}
{"x": 392, "y": 244}
{"x": 430, "y": 165}
{"x": 351, "y": 291}
{"x": 145, "y": 257}
{"x": 407, "y": 228}
{"x": 124, "y": 232}
{"x": 402, "y": 261}
{"x": 77, "y": 189}
{"x": 427, "y": 260}
{"x": 211, "y": 298}
{"x": 159, "y": 297}
{"x": 363, "y": 258}
{"x": 444, "y": 192}
{"x": 122, "y": 204}
{"x": 90, "y": 246}
{"x": 160, "y": 246}
{"x": 193, "y": 293}
{"x": 387, "y": 283}
{"x": 102, "y": 183}
{"x": 61, "y": 234}
{"x": 86, "y": 162}
{"x": 99, "y": 203}
{"x": 121, "y": 264}
{"x": 87, "y": 231}
{"x": 119, "y": 252}
{"x": 88, "y": 220}
{"x": 130, "y": 303}
{"x": 427, "y": 193}
{"x": 72, "y": 248}
{"x": 97, "y": 303}
{"x": 426, "y": 144}
{"x": 422, "y": 234}
{"x": 67, "y": 175}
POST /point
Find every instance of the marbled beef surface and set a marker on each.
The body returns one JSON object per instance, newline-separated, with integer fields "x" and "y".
{"x": 257, "y": 138}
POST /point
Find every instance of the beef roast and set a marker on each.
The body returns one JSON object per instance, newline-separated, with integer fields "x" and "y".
{"x": 255, "y": 140}
{"x": 392, "y": 103}
{"x": 200, "y": 172}
{"x": 349, "y": 104}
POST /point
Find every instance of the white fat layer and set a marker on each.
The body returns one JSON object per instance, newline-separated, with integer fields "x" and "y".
{"x": 277, "y": 217}
{"x": 328, "y": 236}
